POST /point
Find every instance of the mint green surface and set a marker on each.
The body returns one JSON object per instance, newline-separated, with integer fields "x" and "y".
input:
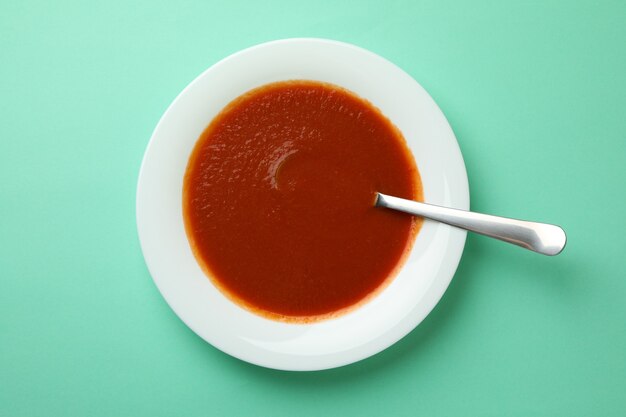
{"x": 536, "y": 93}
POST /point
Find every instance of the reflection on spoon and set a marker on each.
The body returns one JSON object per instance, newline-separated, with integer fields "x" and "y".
{"x": 546, "y": 239}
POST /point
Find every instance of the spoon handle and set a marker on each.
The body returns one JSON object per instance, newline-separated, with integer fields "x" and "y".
{"x": 543, "y": 238}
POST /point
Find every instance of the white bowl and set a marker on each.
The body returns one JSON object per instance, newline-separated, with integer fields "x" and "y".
{"x": 385, "y": 319}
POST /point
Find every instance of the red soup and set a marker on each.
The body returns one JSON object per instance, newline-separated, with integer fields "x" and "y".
{"x": 278, "y": 200}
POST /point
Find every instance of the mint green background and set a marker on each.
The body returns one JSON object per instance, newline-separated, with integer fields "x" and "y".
{"x": 536, "y": 93}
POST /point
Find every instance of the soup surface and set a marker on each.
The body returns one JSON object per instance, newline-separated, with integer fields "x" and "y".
{"x": 278, "y": 200}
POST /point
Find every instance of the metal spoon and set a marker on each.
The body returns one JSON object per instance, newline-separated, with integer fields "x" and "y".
{"x": 546, "y": 239}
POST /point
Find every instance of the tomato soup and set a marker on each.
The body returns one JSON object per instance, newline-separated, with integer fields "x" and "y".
{"x": 278, "y": 200}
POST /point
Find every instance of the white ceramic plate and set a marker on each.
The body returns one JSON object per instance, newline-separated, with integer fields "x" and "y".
{"x": 327, "y": 344}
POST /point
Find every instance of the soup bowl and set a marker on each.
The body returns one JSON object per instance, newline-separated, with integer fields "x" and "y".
{"x": 363, "y": 331}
